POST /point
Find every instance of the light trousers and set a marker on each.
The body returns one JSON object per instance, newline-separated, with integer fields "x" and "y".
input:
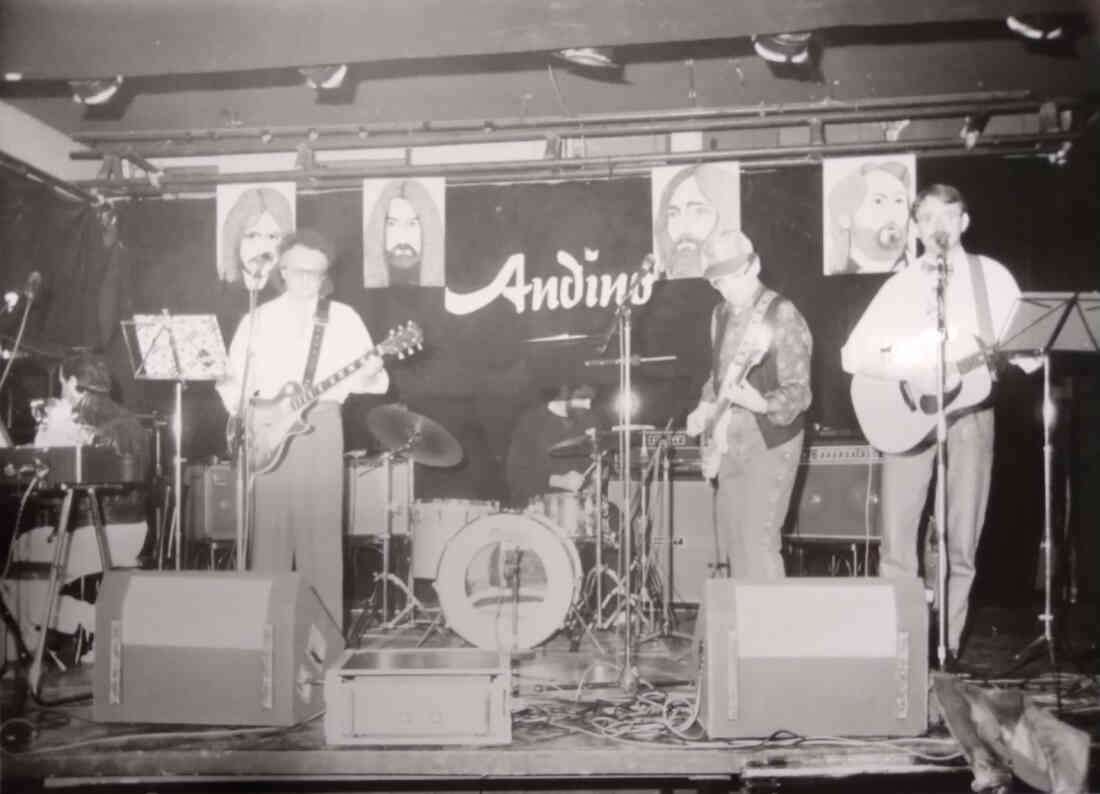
{"x": 905, "y": 480}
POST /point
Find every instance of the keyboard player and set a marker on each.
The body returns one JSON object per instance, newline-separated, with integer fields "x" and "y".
{"x": 83, "y": 415}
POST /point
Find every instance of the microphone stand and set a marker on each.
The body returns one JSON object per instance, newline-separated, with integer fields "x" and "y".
{"x": 941, "y": 455}
{"x": 622, "y": 325}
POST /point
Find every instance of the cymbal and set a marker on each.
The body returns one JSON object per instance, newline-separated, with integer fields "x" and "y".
{"x": 422, "y": 439}
{"x": 577, "y": 446}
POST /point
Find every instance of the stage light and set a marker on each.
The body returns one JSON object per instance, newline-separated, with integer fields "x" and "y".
{"x": 973, "y": 128}
{"x": 627, "y": 405}
{"x": 324, "y": 78}
{"x": 588, "y": 57}
{"x": 96, "y": 91}
{"x": 1036, "y": 27}
{"x": 784, "y": 47}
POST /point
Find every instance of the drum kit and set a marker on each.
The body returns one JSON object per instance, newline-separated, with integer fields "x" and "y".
{"x": 506, "y": 580}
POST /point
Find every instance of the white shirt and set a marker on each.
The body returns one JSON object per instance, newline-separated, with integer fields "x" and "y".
{"x": 280, "y": 347}
{"x": 904, "y": 310}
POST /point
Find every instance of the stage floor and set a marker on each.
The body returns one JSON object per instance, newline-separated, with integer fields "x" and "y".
{"x": 573, "y": 726}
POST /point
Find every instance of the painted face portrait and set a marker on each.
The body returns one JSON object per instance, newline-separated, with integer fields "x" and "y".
{"x": 403, "y": 232}
{"x": 880, "y": 225}
{"x": 694, "y": 204}
{"x": 403, "y": 237}
{"x": 252, "y": 230}
{"x": 690, "y": 219}
{"x": 866, "y": 213}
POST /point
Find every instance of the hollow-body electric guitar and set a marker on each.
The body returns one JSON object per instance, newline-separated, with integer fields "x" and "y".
{"x": 897, "y": 416}
{"x": 276, "y": 420}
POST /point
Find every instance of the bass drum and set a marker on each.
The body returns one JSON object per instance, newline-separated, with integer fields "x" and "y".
{"x": 506, "y": 581}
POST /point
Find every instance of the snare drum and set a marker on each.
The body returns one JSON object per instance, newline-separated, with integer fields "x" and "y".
{"x": 574, "y": 514}
{"x": 507, "y": 580}
{"x": 434, "y": 522}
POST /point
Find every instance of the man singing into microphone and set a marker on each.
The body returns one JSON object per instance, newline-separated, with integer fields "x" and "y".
{"x": 896, "y": 340}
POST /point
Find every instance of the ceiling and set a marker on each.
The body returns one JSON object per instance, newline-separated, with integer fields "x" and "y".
{"x": 220, "y": 76}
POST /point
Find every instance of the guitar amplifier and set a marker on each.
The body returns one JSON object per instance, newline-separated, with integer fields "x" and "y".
{"x": 836, "y": 494}
{"x": 210, "y": 648}
{"x": 211, "y": 513}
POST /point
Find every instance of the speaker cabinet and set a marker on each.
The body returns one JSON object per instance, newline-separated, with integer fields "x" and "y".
{"x": 210, "y": 648}
{"x": 693, "y": 551}
{"x": 836, "y": 494}
{"x": 211, "y": 502}
{"x": 815, "y": 656}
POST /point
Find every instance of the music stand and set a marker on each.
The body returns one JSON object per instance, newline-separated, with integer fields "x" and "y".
{"x": 1042, "y": 323}
{"x": 181, "y": 348}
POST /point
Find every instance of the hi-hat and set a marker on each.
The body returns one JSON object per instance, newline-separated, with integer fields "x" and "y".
{"x": 422, "y": 439}
{"x": 601, "y": 439}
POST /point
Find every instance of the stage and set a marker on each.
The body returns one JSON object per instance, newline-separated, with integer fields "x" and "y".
{"x": 572, "y": 726}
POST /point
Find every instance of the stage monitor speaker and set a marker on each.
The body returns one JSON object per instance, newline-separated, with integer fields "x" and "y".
{"x": 836, "y": 494}
{"x": 211, "y": 648}
{"x": 814, "y": 656}
{"x": 211, "y": 502}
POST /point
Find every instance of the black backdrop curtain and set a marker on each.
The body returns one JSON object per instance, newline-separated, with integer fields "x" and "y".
{"x": 474, "y": 376}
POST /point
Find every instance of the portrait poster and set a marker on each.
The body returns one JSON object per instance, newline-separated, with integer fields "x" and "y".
{"x": 865, "y": 213}
{"x": 690, "y": 205}
{"x": 404, "y": 232}
{"x": 252, "y": 221}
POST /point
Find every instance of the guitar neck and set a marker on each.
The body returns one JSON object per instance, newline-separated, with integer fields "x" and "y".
{"x": 315, "y": 390}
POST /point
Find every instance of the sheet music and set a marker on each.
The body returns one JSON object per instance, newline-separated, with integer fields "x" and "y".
{"x": 194, "y": 340}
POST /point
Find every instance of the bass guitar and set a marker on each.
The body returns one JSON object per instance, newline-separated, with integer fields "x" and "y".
{"x": 897, "y": 416}
{"x": 275, "y": 421}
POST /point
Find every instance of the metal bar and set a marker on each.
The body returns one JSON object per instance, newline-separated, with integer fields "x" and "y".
{"x": 533, "y": 124}
{"x": 37, "y": 174}
{"x": 584, "y": 168}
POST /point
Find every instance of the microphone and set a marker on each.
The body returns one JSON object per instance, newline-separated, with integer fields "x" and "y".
{"x": 941, "y": 240}
{"x": 34, "y": 283}
{"x": 580, "y": 403}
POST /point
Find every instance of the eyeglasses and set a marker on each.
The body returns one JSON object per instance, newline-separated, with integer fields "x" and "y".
{"x": 315, "y": 274}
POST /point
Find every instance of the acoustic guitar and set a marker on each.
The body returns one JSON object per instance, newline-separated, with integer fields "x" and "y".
{"x": 275, "y": 421}
{"x": 896, "y": 416}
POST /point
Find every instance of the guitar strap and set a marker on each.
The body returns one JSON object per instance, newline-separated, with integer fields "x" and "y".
{"x": 320, "y": 322}
{"x": 744, "y": 350}
{"x": 981, "y": 299}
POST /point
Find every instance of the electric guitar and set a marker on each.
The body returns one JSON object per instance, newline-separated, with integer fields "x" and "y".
{"x": 712, "y": 440}
{"x": 896, "y": 416}
{"x": 276, "y": 420}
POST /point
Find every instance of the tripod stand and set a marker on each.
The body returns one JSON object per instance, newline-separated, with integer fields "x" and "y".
{"x": 1043, "y": 323}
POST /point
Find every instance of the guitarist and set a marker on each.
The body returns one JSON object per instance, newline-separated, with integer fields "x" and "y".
{"x": 753, "y": 405}
{"x": 895, "y": 340}
{"x": 300, "y": 336}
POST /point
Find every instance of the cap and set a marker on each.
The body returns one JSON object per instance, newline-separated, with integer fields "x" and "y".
{"x": 726, "y": 253}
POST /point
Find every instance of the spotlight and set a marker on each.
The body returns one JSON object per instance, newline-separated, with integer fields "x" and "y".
{"x": 973, "y": 128}
{"x": 784, "y": 47}
{"x": 96, "y": 91}
{"x": 588, "y": 57}
{"x": 1036, "y": 27}
{"x": 324, "y": 78}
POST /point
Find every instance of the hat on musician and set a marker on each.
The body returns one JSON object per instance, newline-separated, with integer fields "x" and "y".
{"x": 727, "y": 253}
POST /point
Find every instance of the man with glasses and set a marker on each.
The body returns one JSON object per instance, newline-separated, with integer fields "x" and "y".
{"x": 303, "y": 336}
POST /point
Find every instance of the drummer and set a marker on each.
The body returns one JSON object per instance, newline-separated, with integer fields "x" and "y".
{"x": 530, "y": 469}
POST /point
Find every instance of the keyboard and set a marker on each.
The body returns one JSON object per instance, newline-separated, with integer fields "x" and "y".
{"x": 68, "y": 466}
